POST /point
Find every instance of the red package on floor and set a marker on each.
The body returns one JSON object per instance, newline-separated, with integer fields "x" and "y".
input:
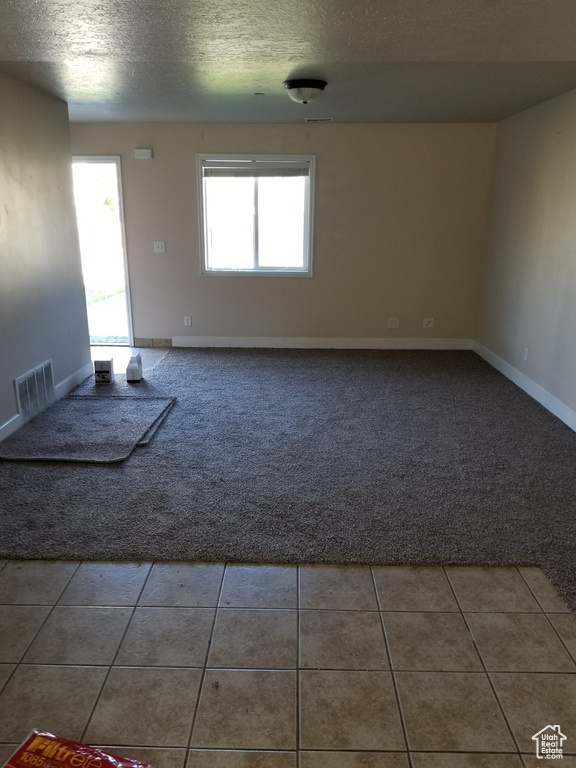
{"x": 44, "y": 750}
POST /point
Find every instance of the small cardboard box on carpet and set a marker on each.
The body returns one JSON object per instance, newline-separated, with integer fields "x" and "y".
{"x": 104, "y": 371}
{"x": 44, "y": 750}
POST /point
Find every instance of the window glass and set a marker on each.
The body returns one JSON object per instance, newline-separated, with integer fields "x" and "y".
{"x": 229, "y": 223}
{"x": 256, "y": 214}
{"x": 281, "y": 221}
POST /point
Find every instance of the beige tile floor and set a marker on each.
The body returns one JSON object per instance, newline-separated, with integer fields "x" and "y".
{"x": 239, "y": 666}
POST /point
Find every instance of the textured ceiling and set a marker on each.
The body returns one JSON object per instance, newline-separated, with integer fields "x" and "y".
{"x": 204, "y": 60}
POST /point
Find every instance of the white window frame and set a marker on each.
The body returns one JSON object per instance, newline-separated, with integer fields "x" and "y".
{"x": 269, "y": 161}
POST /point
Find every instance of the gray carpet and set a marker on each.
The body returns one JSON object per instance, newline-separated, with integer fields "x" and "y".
{"x": 317, "y": 456}
{"x": 98, "y": 430}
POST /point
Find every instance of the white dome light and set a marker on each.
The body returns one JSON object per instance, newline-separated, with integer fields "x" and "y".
{"x": 304, "y": 90}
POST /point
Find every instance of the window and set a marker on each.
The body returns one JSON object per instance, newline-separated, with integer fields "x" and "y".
{"x": 256, "y": 214}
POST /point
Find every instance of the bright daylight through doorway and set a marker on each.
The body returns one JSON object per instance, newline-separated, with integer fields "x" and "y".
{"x": 100, "y": 228}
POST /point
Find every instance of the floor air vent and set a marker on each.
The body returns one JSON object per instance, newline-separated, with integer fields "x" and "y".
{"x": 35, "y": 391}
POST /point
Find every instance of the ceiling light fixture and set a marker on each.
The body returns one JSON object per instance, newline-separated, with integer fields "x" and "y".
{"x": 304, "y": 90}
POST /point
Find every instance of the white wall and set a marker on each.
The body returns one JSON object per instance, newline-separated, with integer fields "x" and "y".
{"x": 400, "y": 218}
{"x": 42, "y": 308}
{"x": 529, "y": 289}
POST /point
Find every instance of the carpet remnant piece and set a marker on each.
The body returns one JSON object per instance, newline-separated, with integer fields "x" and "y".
{"x": 97, "y": 430}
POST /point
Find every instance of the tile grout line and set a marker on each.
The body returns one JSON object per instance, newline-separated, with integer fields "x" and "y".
{"x": 205, "y": 666}
{"x": 283, "y": 610}
{"x": 412, "y": 670}
{"x": 51, "y": 607}
{"x": 298, "y": 670}
{"x": 500, "y": 707}
{"x": 111, "y": 665}
{"x": 551, "y": 623}
{"x": 392, "y": 673}
{"x": 546, "y": 614}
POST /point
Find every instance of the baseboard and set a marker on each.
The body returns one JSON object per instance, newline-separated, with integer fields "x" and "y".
{"x": 60, "y": 390}
{"x": 305, "y": 342}
{"x": 10, "y": 426}
{"x": 67, "y": 385}
{"x": 541, "y": 395}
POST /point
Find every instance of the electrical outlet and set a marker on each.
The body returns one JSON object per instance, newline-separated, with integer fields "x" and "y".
{"x": 393, "y": 322}
{"x": 525, "y": 354}
{"x": 428, "y": 322}
{"x": 187, "y": 321}
{"x": 159, "y": 247}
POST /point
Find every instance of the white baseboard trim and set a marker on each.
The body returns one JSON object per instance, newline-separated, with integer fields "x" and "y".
{"x": 305, "y": 342}
{"x": 67, "y": 385}
{"x": 541, "y": 395}
{"x": 10, "y": 426}
{"x": 60, "y": 390}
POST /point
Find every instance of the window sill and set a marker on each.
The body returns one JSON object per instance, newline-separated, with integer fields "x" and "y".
{"x": 254, "y": 273}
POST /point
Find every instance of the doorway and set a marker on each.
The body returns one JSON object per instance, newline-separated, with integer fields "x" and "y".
{"x": 100, "y": 215}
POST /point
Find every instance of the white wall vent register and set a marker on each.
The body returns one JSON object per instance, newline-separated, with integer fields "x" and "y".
{"x": 35, "y": 391}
